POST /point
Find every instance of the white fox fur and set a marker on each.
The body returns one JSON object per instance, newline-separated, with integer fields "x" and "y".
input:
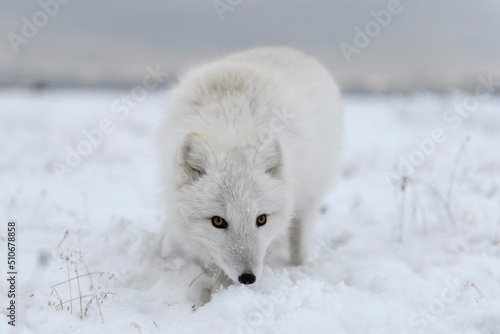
{"x": 256, "y": 132}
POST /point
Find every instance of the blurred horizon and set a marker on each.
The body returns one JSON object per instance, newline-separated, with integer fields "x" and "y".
{"x": 380, "y": 46}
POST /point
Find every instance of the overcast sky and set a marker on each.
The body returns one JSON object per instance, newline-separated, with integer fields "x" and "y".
{"x": 426, "y": 44}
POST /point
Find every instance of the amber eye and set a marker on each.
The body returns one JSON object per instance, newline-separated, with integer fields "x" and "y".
{"x": 219, "y": 222}
{"x": 261, "y": 220}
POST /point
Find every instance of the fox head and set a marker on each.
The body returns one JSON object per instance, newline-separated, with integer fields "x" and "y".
{"x": 232, "y": 202}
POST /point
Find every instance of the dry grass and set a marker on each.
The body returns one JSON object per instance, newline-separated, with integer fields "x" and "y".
{"x": 404, "y": 184}
{"x": 77, "y": 270}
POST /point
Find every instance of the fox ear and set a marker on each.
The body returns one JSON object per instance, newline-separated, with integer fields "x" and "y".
{"x": 270, "y": 157}
{"x": 194, "y": 157}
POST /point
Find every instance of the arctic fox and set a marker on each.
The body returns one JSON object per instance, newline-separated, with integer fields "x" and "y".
{"x": 249, "y": 147}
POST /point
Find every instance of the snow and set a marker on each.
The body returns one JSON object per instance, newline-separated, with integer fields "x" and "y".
{"x": 382, "y": 260}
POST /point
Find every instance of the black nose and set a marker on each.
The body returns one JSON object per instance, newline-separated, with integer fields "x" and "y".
{"x": 247, "y": 278}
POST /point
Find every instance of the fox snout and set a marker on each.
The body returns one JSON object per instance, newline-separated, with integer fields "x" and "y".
{"x": 247, "y": 278}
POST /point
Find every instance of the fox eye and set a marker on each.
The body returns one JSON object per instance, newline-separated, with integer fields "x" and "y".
{"x": 261, "y": 220}
{"x": 219, "y": 222}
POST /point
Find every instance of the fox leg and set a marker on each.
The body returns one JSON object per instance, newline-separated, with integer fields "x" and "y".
{"x": 222, "y": 280}
{"x": 299, "y": 235}
{"x": 298, "y": 250}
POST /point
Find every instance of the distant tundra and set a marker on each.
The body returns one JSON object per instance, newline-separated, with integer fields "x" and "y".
{"x": 249, "y": 147}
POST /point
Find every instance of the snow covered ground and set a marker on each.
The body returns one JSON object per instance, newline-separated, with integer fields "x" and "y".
{"x": 419, "y": 254}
